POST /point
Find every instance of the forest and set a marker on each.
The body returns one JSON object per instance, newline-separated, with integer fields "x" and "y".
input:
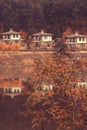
{"x": 54, "y": 16}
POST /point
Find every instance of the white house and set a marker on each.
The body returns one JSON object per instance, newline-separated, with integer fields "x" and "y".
{"x": 76, "y": 41}
{"x": 13, "y": 89}
{"x": 82, "y": 84}
{"x": 11, "y": 86}
{"x": 46, "y": 87}
{"x": 43, "y": 39}
{"x": 11, "y": 36}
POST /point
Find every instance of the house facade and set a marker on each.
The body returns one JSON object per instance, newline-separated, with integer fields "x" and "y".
{"x": 11, "y": 86}
{"x": 11, "y": 36}
{"x": 76, "y": 41}
{"x": 42, "y": 39}
{"x": 13, "y": 89}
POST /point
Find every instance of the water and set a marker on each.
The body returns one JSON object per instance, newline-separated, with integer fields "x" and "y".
{"x": 12, "y": 68}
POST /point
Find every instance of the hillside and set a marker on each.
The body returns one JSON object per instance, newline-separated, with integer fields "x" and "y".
{"x": 53, "y": 16}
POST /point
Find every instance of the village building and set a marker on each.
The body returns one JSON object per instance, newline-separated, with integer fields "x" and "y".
{"x": 43, "y": 40}
{"x": 11, "y": 87}
{"x": 11, "y": 36}
{"x": 76, "y": 41}
{"x": 82, "y": 84}
{"x": 46, "y": 87}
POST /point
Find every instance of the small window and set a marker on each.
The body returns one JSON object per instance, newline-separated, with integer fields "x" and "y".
{"x": 17, "y": 35}
{"x": 13, "y": 35}
{"x": 8, "y": 36}
{"x": 83, "y": 39}
{"x": 18, "y": 91}
{"x": 73, "y": 39}
{"x": 15, "y": 91}
{"x": 80, "y": 39}
{"x": 81, "y": 86}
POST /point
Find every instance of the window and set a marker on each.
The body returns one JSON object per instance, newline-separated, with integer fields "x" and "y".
{"x": 14, "y": 36}
{"x": 79, "y": 38}
{"x": 18, "y": 90}
{"x": 73, "y": 39}
{"x": 81, "y": 86}
{"x": 83, "y": 39}
{"x": 8, "y": 36}
{"x": 45, "y": 37}
{"x": 17, "y": 35}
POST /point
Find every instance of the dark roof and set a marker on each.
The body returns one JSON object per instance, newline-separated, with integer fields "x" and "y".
{"x": 42, "y": 33}
{"x": 11, "y": 32}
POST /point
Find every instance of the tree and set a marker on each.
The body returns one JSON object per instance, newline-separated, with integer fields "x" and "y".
{"x": 65, "y": 105}
{"x": 5, "y": 47}
{"x": 23, "y": 34}
{"x": 15, "y": 46}
{"x": 67, "y": 32}
{"x": 52, "y": 15}
{"x": 60, "y": 46}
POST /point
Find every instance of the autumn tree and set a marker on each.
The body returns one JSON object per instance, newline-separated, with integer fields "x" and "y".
{"x": 5, "y": 46}
{"x": 60, "y": 45}
{"x": 15, "y": 46}
{"x": 23, "y": 34}
{"x": 67, "y": 32}
{"x": 65, "y": 105}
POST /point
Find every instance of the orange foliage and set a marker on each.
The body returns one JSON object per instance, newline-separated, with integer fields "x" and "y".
{"x": 66, "y": 105}
{"x": 9, "y": 46}
{"x": 12, "y": 83}
{"x": 67, "y": 32}
{"x": 15, "y": 46}
{"x": 24, "y": 34}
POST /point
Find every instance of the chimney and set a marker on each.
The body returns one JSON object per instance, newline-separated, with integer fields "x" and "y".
{"x": 11, "y": 30}
{"x": 76, "y": 33}
{"x": 42, "y": 31}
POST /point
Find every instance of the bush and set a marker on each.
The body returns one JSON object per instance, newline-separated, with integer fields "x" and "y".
{"x": 14, "y": 46}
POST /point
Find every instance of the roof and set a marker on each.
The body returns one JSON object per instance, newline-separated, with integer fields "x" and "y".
{"x": 11, "y": 32}
{"x": 12, "y": 86}
{"x": 42, "y": 33}
{"x": 10, "y": 83}
{"x": 76, "y": 35}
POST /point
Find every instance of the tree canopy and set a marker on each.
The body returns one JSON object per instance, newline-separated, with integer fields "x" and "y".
{"x": 65, "y": 104}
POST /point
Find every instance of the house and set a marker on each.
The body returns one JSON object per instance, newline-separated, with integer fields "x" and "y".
{"x": 76, "y": 41}
{"x": 42, "y": 39}
{"x": 82, "y": 84}
{"x": 46, "y": 87}
{"x": 11, "y": 87}
{"x": 11, "y": 36}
